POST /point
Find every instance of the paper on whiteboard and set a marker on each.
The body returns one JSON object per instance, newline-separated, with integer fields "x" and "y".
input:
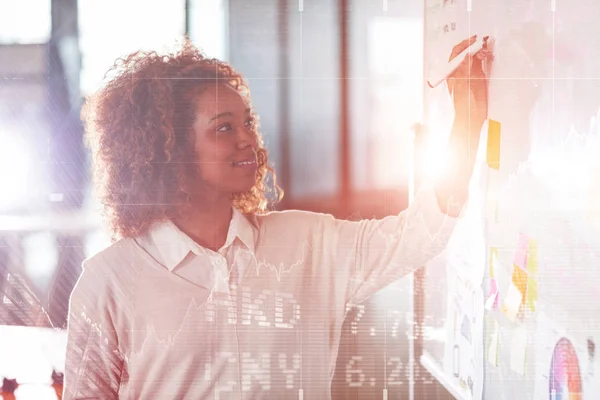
{"x": 464, "y": 348}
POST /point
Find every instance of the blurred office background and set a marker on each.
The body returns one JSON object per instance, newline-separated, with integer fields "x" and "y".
{"x": 337, "y": 84}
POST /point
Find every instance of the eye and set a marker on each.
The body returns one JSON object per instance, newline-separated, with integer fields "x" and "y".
{"x": 250, "y": 122}
{"x": 224, "y": 128}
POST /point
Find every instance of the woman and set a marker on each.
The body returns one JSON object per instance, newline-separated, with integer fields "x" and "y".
{"x": 204, "y": 293}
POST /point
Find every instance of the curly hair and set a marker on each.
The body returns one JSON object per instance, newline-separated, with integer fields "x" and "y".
{"x": 138, "y": 128}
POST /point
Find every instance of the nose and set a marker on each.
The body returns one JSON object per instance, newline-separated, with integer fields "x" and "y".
{"x": 247, "y": 138}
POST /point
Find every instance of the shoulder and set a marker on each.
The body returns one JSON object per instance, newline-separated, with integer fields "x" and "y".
{"x": 113, "y": 257}
{"x": 293, "y": 227}
{"x": 106, "y": 288}
{"x": 109, "y": 269}
{"x": 297, "y": 220}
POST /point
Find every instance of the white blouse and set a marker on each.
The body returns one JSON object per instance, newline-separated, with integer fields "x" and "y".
{"x": 160, "y": 317}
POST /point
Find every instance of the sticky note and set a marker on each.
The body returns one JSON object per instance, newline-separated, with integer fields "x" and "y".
{"x": 493, "y": 144}
{"x": 518, "y": 350}
{"x": 521, "y": 253}
{"x": 493, "y": 343}
{"x": 492, "y": 301}
{"x": 512, "y": 302}
{"x": 519, "y": 279}
{"x": 493, "y": 261}
{"x": 532, "y": 292}
{"x": 502, "y": 276}
{"x": 532, "y": 256}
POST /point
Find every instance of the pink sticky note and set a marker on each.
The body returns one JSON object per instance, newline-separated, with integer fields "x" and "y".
{"x": 492, "y": 300}
{"x": 494, "y": 287}
{"x": 521, "y": 254}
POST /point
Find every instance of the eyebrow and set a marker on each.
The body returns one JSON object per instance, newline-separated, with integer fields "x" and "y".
{"x": 227, "y": 114}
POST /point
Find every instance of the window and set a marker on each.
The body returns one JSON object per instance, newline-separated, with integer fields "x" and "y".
{"x": 208, "y": 27}
{"x": 25, "y": 21}
{"x": 110, "y": 29}
{"x": 396, "y": 98}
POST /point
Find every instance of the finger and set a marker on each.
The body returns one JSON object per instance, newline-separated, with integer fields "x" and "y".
{"x": 456, "y": 50}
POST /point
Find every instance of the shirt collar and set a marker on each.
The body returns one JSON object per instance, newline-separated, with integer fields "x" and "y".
{"x": 169, "y": 245}
{"x": 244, "y": 228}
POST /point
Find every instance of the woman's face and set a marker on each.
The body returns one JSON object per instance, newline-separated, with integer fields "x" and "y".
{"x": 225, "y": 141}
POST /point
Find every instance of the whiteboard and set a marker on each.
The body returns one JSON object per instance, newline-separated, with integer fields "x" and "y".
{"x": 512, "y": 308}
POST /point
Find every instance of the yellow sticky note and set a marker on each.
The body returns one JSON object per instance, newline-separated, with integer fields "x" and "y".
{"x": 493, "y": 261}
{"x": 518, "y": 350}
{"x": 532, "y": 257}
{"x": 519, "y": 279}
{"x": 493, "y": 343}
{"x": 512, "y": 302}
{"x": 493, "y": 144}
{"x": 532, "y": 292}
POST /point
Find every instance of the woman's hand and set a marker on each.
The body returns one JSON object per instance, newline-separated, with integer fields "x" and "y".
{"x": 468, "y": 88}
